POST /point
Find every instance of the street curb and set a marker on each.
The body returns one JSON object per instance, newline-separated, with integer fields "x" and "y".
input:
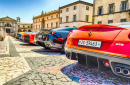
{"x": 7, "y": 53}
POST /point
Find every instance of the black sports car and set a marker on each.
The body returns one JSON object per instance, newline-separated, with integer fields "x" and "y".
{"x": 53, "y": 38}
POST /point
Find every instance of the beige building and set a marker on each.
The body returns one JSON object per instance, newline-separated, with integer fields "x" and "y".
{"x": 76, "y": 14}
{"x": 24, "y": 27}
{"x": 111, "y": 11}
{"x": 46, "y": 20}
{"x": 8, "y": 24}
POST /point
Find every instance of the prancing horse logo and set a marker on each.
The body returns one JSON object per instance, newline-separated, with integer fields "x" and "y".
{"x": 90, "y": 34}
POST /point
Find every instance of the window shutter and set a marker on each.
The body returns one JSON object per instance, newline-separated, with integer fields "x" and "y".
{"x": 113, "y": 8}
{"x": 102, "y": 10}
{"x": 127, "y": 6}
{"x": 97, "y": 11}
{"x": 108, "y": 9}
{"x": 120, "y": 7}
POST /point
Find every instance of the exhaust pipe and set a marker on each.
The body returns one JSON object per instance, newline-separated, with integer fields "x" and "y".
{"x": 125, "y": 71}
{"x": 117, "y": 69}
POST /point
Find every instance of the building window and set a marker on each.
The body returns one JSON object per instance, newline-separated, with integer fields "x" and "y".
{"x": 124, "y": 6}
{"x": 51, "y": 24}
{"x": 7, "y": 24}
{"x": 87, "y": 18}
{"x": 110, "y": 21}
{"x": 60, "y": 11}
{"x": 39, "y": 19}
{"x": 36, "y": 26}
{"x": 47, "y": 25}
{"x": 67, "y": 9}
{"x": 57, "y": 15}
{"x": 18, "y": 25}
{"x": 123, "y": 20}
{"x": 74, "y": 18}
{"x": 67, "y": 18}
{"x": 100, "y": 10}
{"x": 87, "y": 7}
{"x": 36, "y": 20}
{"x": 111, "y": 8}
{"x": 99, "y": 22}
{"x": 39, "y": 26}
{"x": 47, "y": 18}
{"x": 28, "y": 26}
{"x": 74, "y": 7}
{"x": 56, "y": 24}
{"x": 61, "y": 20}
{"x": 23, "y": 26}
{"x": 51, "y": 17}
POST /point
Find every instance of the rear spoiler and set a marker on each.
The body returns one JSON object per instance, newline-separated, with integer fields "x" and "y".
{"x": 99, "y": 26}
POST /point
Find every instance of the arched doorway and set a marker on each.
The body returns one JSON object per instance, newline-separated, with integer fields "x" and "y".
{"x": 24, "y": 30}
{"x": 20, "y": 30}
{"x": 29, "y": 31}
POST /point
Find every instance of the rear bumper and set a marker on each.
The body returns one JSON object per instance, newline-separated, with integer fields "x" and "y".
{"x": 111, "y": 58}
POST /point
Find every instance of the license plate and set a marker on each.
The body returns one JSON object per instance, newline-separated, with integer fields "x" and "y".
{"x": 90, "y": 43}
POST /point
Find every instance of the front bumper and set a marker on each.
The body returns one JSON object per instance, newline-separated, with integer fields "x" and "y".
{"x": 112, "y": 58}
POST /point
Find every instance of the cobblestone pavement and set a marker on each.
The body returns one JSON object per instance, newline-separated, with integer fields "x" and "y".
{"x": 37, "y": 66}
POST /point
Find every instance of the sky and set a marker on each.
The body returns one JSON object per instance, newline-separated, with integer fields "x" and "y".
{"x": 26, "y": 9}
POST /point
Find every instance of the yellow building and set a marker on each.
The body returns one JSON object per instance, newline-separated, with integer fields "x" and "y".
{"x": 24, "y": 27}
{"x": 46, "y": 20}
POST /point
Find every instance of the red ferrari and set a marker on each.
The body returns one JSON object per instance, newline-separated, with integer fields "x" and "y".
{"x": 106, "y": 47}
{"x": 29, "y": 37}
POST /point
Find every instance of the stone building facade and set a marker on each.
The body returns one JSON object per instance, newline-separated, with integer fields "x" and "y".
{"x": 46, "y": 20}
{"x": 52, "y": 19}
{"x": 76, "y": 14}
{"x": 8, "y": 24}
{"x": 25, "y": 27}
{"x": 111, "y": 11}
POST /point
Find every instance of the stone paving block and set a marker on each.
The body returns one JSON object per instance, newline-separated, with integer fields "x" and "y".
{"x": 23, "y": 79}
{"x": 48, "y": 81}
{"x": 23, "y": 83}
{"x": 55, "y": 81}
{"x": 30, "y": 82}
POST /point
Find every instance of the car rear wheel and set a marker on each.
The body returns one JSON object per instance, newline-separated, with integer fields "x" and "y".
{"x": 45, "y": 46}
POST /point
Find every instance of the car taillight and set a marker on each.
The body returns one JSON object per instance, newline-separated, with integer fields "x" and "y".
{"x": 70, "y": 32}
{"x": 129, "y": 36}
{"x": 60, "y": 39}
{"x": 52, "y": 32}
{"x": 106, "y": 64}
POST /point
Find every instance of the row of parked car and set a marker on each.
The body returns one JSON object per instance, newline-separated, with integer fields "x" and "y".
{"x": 48, "y": 38}
{"x": 106, "y": 47}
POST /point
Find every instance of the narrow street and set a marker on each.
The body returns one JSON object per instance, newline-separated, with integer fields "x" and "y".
{"x": 33, "y": 65}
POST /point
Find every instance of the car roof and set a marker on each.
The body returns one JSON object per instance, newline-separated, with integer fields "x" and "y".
{"x": 64, "y": 28}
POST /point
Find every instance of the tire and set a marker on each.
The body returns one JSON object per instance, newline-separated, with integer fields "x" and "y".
{"x": 63, "y": 48}
{"x": 43, "y": 45}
